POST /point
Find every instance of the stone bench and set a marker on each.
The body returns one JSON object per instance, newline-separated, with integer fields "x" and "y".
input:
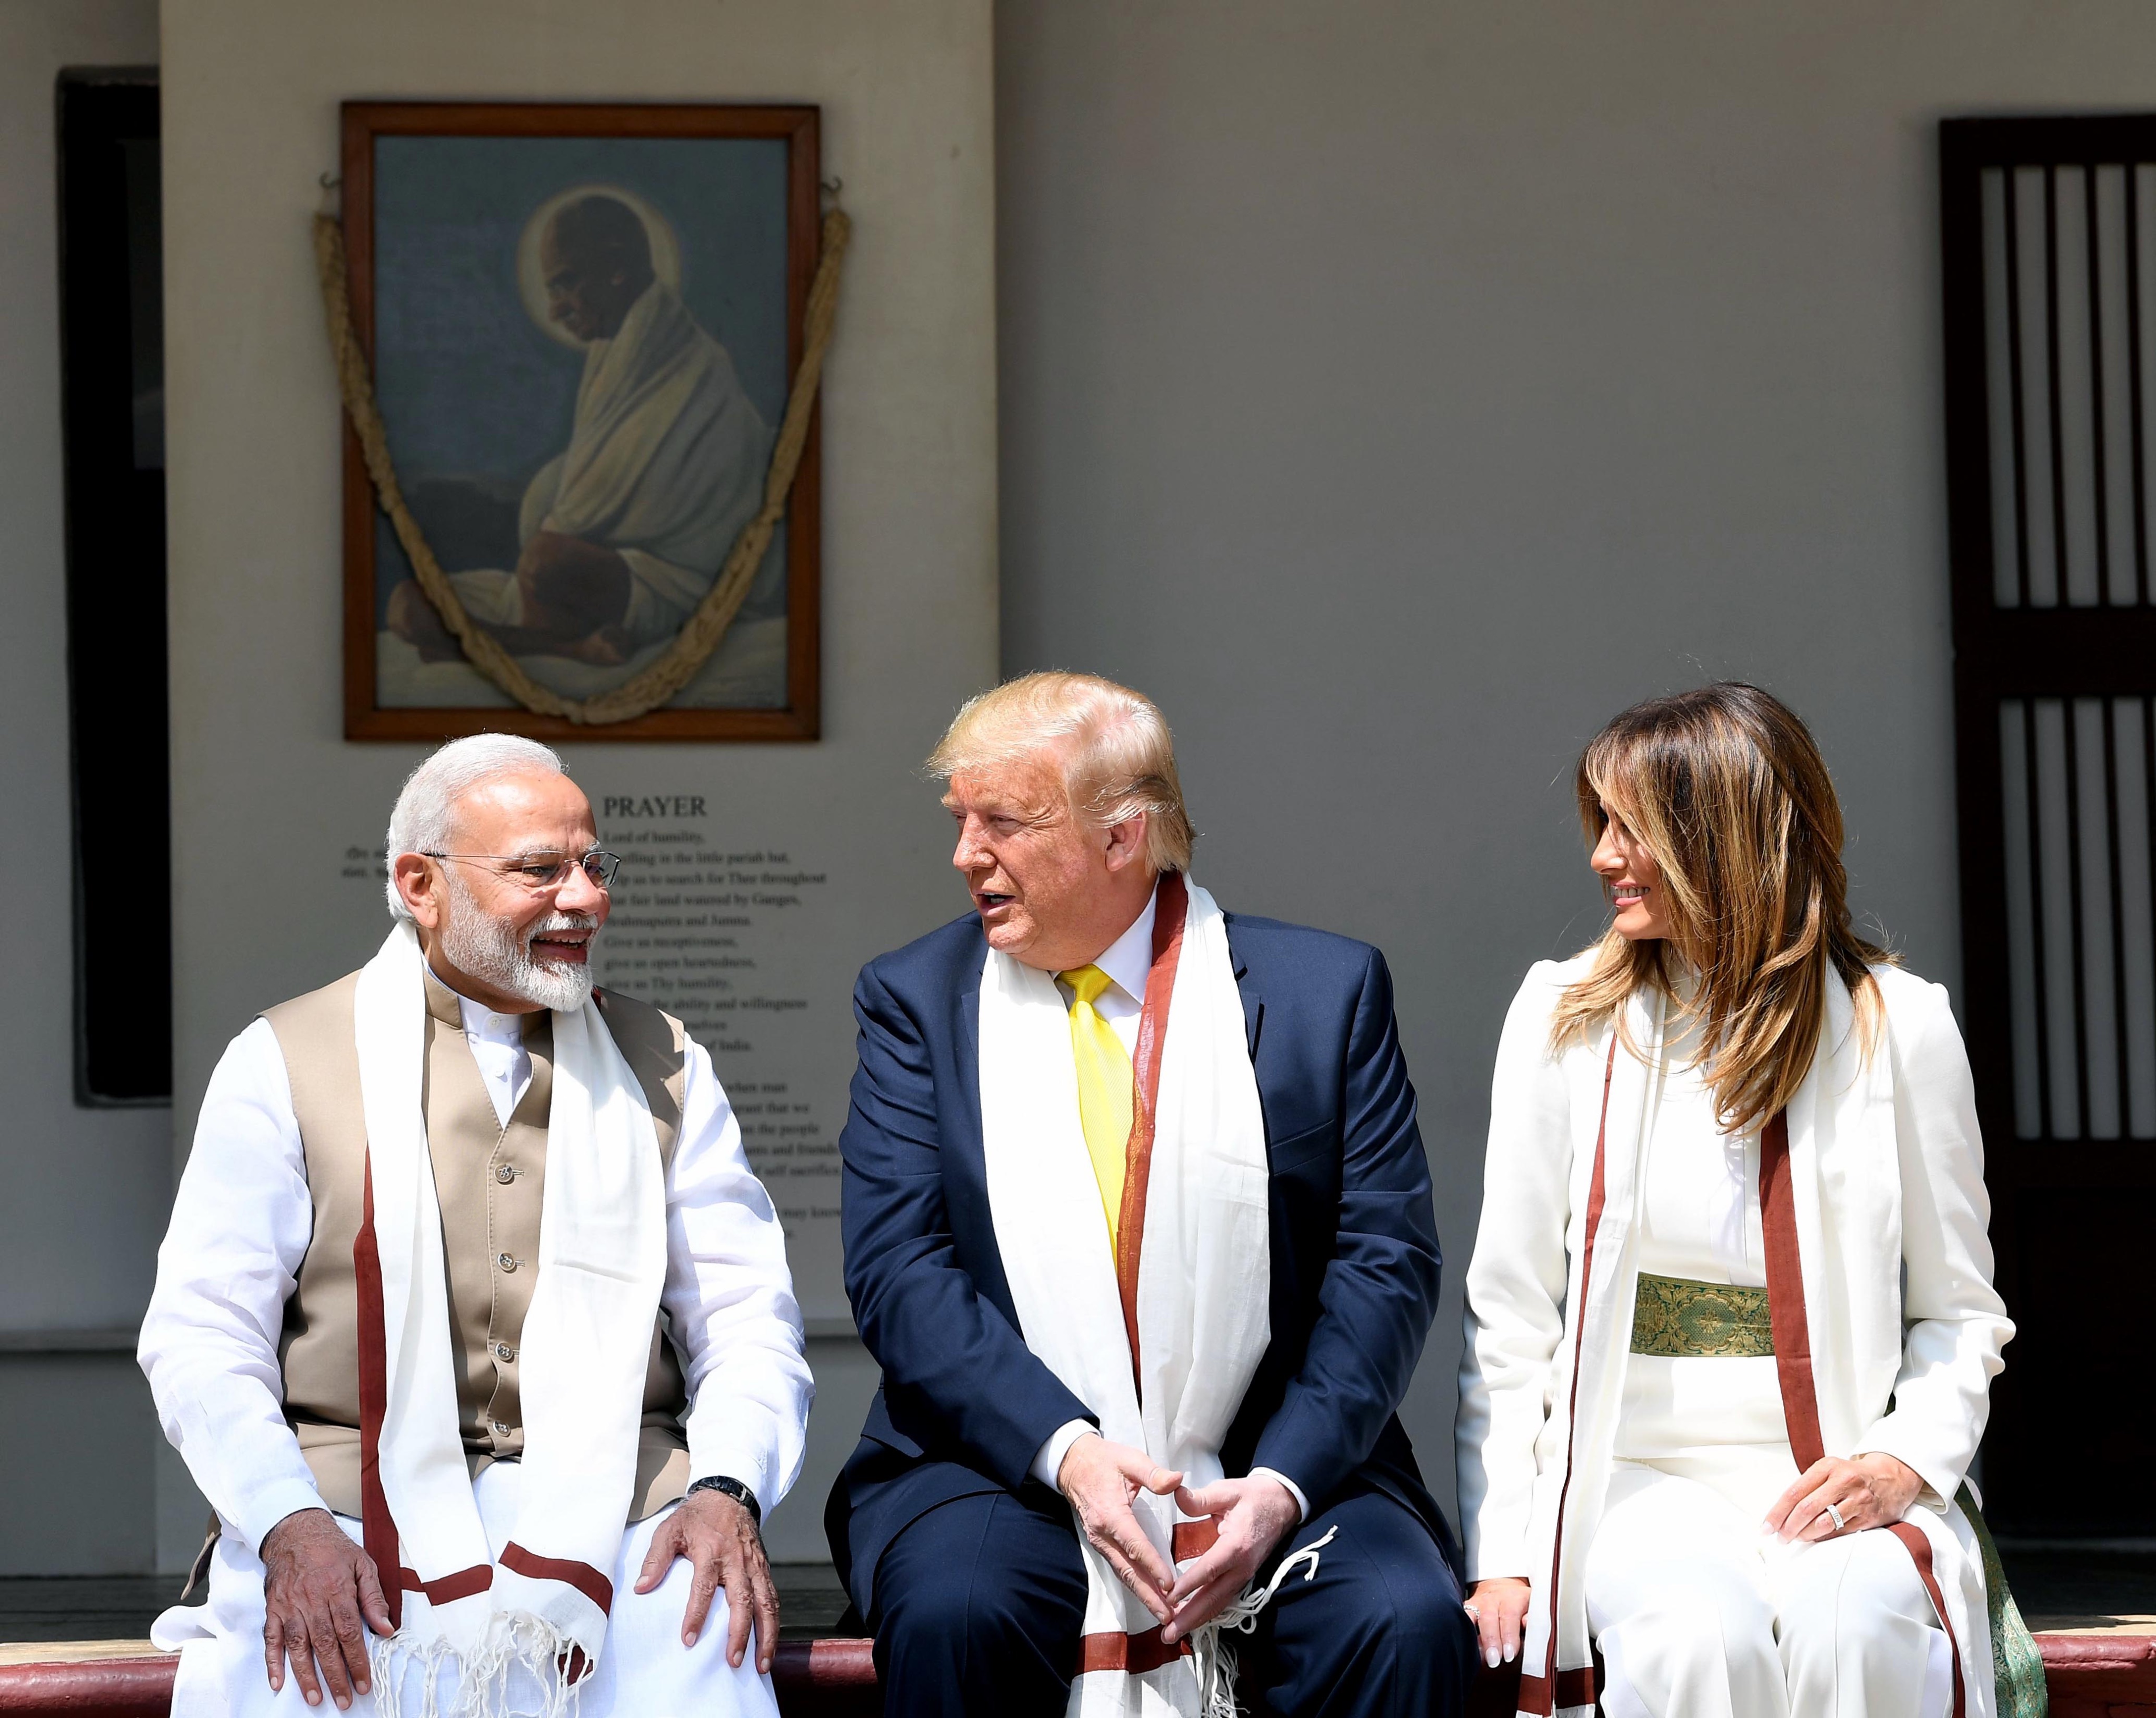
{"x": 2106, "y": 1672}
{"x": 815, "y": 1679}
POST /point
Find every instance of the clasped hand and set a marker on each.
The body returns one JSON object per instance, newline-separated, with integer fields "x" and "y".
{"x": 1250, "y": 1515}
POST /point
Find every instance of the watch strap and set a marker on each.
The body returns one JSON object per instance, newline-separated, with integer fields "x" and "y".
{"x": 731, "y": 1488}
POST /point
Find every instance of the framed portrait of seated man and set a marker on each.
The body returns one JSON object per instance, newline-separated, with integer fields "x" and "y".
{"x": 581, "y": 324}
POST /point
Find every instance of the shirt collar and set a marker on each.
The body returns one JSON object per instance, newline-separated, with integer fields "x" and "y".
{"x": 479, "y": 1021}
{"x": 1129, "y": 958}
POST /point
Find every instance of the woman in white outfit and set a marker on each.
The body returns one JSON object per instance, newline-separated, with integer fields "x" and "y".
{"x": 1730, "y": 1311}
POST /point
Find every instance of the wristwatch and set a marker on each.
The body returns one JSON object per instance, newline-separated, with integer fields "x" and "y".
{"x": 734, "y": 1489}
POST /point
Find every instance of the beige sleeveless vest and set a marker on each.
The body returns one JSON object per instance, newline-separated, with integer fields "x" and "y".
{"x": 488, "y": 1180}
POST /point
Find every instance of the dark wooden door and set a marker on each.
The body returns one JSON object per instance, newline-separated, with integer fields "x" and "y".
{"x": 2050, "y": 282}
{"x": 113, "y": 428}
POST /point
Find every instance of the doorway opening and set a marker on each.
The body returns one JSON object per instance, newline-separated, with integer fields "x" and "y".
{"x": 113, "y": 437}
{"x": 2049, "y": 230}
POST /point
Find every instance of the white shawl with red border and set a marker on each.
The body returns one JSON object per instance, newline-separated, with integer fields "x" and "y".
{"x": 1195, "y": 1249}
{"x": 587, "y": 1338}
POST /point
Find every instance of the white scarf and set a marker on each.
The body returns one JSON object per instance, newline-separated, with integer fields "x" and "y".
{"x": 601, "y": 1263}
{"x": 1204, "y": 1270}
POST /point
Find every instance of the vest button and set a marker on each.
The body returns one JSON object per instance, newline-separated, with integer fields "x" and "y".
{"x": 502, "y": 1350}
{"x": 504, "y": 1261}
{"x": 505, "y": 1174}
{"x": 500, "y": 1430}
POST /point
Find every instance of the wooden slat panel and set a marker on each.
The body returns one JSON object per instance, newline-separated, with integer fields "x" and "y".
{"x": 2055, "y": 698}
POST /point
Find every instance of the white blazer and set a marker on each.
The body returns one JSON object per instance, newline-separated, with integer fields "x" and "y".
{"x": 1887, "y": 1174}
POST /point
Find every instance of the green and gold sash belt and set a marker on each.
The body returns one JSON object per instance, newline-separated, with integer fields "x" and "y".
{"x": 1693, "y": 1321}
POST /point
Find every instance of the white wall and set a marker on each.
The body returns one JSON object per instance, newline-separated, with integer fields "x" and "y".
{"x": 267, "y": 794}
{"x": 82, "y": 1192}
{"x": 1397, "y": 392}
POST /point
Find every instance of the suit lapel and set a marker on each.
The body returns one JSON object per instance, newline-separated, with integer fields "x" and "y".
{"x": 966, "y": 1168}
{"x": 969, "y": 1063}
{"x": 967, "y": 1059}
{"x": 969, "y": 1053}
{"x": 1254, "y": 1004}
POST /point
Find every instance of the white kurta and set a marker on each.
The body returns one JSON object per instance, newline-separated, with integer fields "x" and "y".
{"x": 241, "y": 1223}
{"x": 1888, "y": 1188}
{"x": 645, "y": 1672}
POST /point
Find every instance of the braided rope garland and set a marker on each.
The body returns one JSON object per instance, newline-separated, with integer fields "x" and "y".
{"x": 701, "y": 634}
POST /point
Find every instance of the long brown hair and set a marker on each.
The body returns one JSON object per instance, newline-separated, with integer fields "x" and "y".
{"x": 1725, "y": 787}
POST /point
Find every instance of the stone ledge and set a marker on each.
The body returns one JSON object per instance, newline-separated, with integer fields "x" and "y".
{"x": 818, "y": 1678}
{"x": 2107, "y": 1671}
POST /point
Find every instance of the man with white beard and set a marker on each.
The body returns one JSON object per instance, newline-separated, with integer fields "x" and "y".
{"x": 472, "y": 1323}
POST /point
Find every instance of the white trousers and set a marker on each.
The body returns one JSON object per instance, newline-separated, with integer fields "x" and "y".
{"x": 644, "y": 1670}
{"x": 1700, "y": 1614}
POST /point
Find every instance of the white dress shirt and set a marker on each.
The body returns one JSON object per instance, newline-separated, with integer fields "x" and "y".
{"x": 242, "y": 1221}
{"x": 497, "y": 1045}
{"x": 1128, "y": 963}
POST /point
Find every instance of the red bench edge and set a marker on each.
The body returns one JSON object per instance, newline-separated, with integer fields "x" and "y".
{"x": 142, "y": 1688}
{"x": 2092, "y": 1673}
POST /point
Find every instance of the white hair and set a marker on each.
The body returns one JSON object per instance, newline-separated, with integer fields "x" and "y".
{"x": 425, "y": 817}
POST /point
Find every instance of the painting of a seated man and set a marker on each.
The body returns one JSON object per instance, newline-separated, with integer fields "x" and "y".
{"x": 581, "y": 360}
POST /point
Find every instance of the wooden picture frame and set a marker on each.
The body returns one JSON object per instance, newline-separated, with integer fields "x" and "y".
{"x": 602, "y": 153}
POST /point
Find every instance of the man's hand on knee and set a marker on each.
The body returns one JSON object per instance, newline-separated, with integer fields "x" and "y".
{"x": 1253, "y": 1515}
{"x": 719, "y": 1538}
{"x": 1101, "y": 1478}
{"x": 316, "y": 1587}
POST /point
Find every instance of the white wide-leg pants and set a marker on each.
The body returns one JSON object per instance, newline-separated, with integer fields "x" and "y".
{"x": 1700, "y": 1614}
{"x": 644, "y": 1669}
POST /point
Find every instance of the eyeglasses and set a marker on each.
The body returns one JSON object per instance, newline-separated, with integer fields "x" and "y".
{"x": 547, "y": 868}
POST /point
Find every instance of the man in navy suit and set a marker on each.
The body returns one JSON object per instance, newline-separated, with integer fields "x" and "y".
{"x": 946, "y": 1523}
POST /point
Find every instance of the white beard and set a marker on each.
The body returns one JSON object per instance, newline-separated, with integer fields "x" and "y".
{"x": 475, "y": 941}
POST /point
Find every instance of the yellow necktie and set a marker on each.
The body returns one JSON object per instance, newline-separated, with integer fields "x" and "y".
{"x": 1104, "y": 1090}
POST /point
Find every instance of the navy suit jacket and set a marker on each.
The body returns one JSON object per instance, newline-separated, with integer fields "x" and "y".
{"x": 965, "y": 1405}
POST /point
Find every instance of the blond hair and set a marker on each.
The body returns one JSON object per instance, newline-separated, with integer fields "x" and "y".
{"x": 1725, "y": 789}
{"x": 1118, "y": 757}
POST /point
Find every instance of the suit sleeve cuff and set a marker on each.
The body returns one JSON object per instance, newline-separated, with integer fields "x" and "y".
{"x": 1048, "y": 1459}
{"x": 264, "y": 1511}
{"x": 1294, "y": 1490}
